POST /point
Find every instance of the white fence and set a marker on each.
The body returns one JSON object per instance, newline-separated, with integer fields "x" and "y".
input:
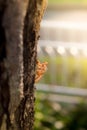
{"x": 64, "y": 41}
{"x": 70, "y": 57}
{"x": 70, "y": 94}
{"x": 62, "y": 93}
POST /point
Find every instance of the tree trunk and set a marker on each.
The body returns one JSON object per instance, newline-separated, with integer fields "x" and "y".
{"x": 19, "y": 33}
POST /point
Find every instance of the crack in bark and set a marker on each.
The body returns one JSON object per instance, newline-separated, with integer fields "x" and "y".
{"x": 4, "y": 87}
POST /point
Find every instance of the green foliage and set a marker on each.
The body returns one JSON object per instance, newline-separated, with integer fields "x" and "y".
{"x": 54, "y": 116}
{"x": 78, "y": 119}
{"x": 47, "y": 114}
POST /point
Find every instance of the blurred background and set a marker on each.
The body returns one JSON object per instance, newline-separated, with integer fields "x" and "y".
{"x": 61, "y": 97}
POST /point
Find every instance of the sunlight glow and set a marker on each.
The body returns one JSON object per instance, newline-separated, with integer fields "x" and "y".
{"x": 61, "y": 50}
{"x": 74, "y": 51}
{"x": 49, "y": 49}
{"x": 85, "y": 51}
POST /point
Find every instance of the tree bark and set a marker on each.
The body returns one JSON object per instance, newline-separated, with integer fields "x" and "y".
{"x": 19, "y": 33}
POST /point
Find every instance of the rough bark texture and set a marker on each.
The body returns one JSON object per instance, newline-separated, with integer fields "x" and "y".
{"x": 19, "y": 27}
